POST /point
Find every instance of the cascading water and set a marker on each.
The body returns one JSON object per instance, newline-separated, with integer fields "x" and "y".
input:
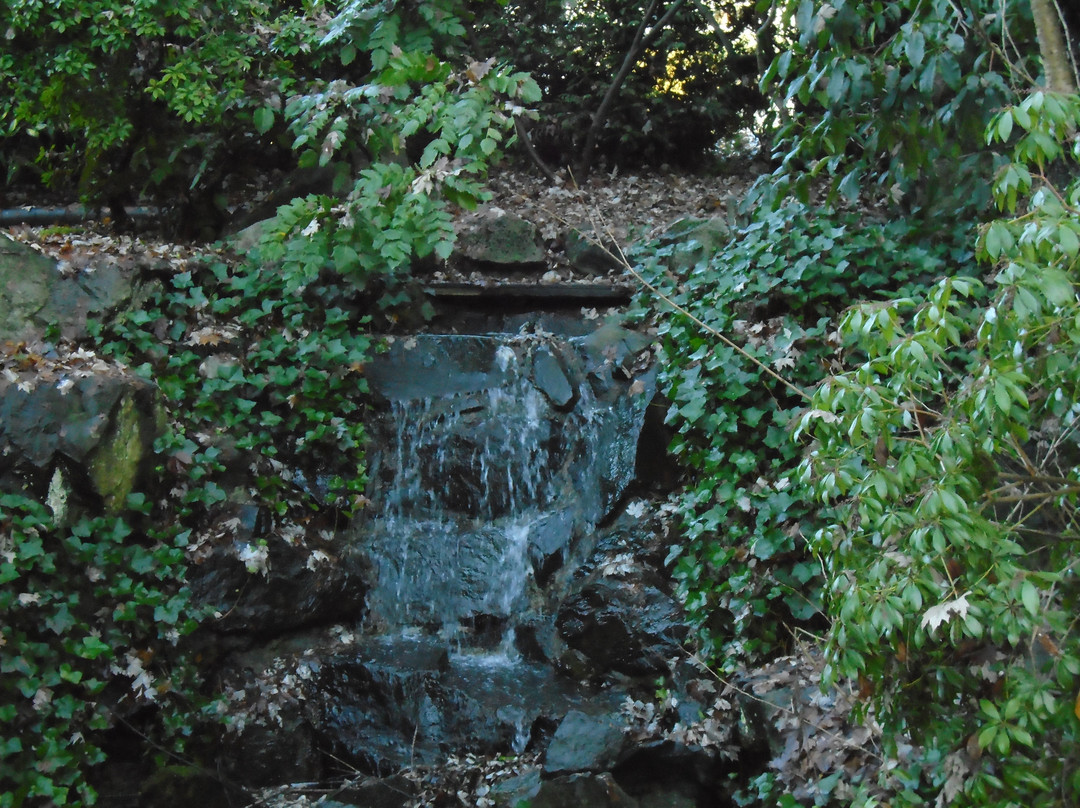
{"x": 467, "y": 476}
{"x": 480, "y": 469}
{"x": 493, "y": 459}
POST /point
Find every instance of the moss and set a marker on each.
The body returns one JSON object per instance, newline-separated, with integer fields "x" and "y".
{"x": 115, "y": 465}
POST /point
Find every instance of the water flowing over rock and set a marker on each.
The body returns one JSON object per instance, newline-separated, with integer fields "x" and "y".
{"x": 495, "y": 456}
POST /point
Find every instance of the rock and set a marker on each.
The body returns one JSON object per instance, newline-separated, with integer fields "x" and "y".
{"x": 551, "y": 379}
{"x": 26, "y": 278}
{"x": 511, "y": 792}
{"x": 633, "y": 629}
{"x": 37, "y": 301}
{"x": 101, "y": 425}
{"x": 696, "y": 240}
{"x": 584, "y": 743}
{"x": 303, "y": 583}
{"x": 396, "y": 701}
{"x": 585, "y": 255}
{"x": 499, "y": 240}
{"x": 582, "y": 791}
{"x": 492, "y": 456}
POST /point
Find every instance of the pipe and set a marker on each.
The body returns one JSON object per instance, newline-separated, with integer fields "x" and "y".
{"x": 69, "y": 215}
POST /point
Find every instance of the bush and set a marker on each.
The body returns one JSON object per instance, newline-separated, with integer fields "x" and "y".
{"x": 949, "y": 449}
{"x": 113, "y": 101}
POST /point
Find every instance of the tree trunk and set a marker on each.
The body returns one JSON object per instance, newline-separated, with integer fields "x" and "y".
{"x": 640, "y": 43}
{"x": 1055, "y": 54}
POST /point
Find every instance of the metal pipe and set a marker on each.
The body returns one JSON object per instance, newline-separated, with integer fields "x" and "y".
{"x": 69, "y": 215}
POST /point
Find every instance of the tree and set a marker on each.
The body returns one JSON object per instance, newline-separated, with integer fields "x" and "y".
{"x": 112, "y": 102}
{"x": 630, "y": 82}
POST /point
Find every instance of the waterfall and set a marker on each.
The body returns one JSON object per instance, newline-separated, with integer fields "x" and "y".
{"x": 494, "y": 453}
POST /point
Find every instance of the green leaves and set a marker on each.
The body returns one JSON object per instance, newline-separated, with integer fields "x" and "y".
{"x": 142, "y": 95}
{"x": 943, "y": 447}
{"x": 63, "y": 598}
{"x": 891, "y": 95}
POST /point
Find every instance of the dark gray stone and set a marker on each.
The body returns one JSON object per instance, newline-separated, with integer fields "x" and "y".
{"x": 630, "y": 629}
{"x": 510, "y": 792}
{"x": 37, "y": 300}
{"x": 100, "y": 423}
{"x": 582, "y": 791}
{"x": 397, "y": 701}
{"x": 586, "y": 255}
{"x": 550, "y": 377}
{"x": 585, "y": 743}
{"x": 26, "y": 278}
{"x": 298, "y": 588}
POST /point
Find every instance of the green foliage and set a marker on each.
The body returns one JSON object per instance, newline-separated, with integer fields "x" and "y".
{"x": 262, "y": 369}
{"x": 430, "y": 128}
{"x": 695, "y": 86}
{"x": 949, "y": 447}
{"x": 892, "y": 98}
{"x": 743, "y": 570}
{"x": 93, "y": 613}
{"x": 116, "y": 99}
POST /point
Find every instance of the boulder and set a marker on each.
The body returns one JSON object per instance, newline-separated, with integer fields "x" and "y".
{"x": 93, "y": 420}
{"x": 38, "y": 301}
{"x": 394, "y": 701}
{"x": 586, "y": 255}
{"x": 300, "y": 583}
{"x": 494, "y": 239}
{"x": 585, "y": 743}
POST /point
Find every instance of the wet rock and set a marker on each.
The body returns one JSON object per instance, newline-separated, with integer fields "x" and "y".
{"x": 550, "y": 377}
{"x": 592, "y": 790}
{"x": 300, "y": 585}
{"x": 492, "y": 457}
{"x": 397, "y": 701}
{"x": 549, "y": 542}
{"x": 584, "y": 743}
{"x": 500, "y": 240}
{"x": 629, "y": 629}
{"x": 510, "y": 792}
{"x": 100, "y": 426}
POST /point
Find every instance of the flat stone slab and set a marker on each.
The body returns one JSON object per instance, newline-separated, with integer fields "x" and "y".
{"x": 568, "y": 292}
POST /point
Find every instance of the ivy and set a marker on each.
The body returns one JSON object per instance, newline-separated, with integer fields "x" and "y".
{"x": 744, "y": 569}
{"x": 94, "y": 614}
